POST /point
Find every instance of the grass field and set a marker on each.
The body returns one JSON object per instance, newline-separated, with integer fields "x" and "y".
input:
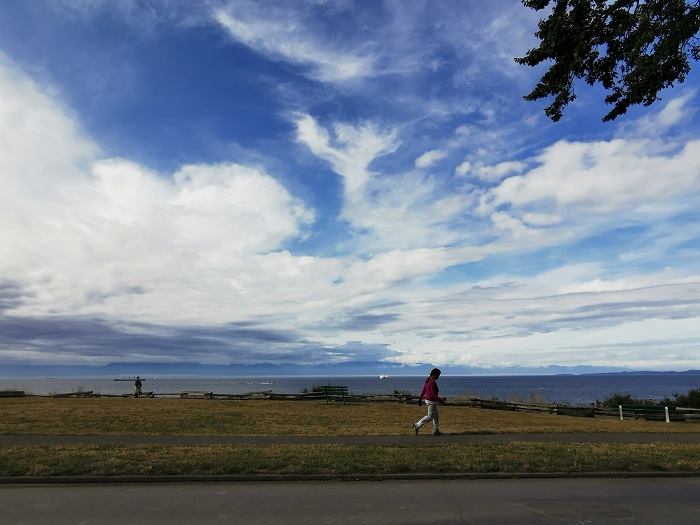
{"x": 119, "y": 416}
{"x": 158, "y": 416}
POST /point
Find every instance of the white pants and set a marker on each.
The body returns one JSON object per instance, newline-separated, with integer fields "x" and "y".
{"x": 432, "y": 416}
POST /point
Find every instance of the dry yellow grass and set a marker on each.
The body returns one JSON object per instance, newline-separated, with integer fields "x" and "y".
{"x": 129, "y": 416}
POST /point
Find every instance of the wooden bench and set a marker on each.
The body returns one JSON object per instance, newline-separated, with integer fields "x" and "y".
{"x": 11, "y": 393}
{"x": 575, "y": 411}
{"x": 79, "y": 393}
{"x": 197, "y": 394}
{"x": 650, "y": 412}
{"x": 142, "y": 394}
{"x": 335, "y": 392}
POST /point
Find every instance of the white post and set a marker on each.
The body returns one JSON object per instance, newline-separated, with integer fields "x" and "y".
{"x": 668, "y": 419}
{"x": 621, "y": 418}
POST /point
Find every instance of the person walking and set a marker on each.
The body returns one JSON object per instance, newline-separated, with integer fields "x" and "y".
{"x": 137, "y": 387}
{"x": 430, "y": 394}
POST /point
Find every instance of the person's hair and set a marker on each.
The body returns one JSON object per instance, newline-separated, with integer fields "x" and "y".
{"x": 434, "y": 371}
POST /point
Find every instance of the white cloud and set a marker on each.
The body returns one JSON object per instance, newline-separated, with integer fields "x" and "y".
{"x": 463, "y": 169}
{"x": 350, "y": 150}
{"x": 499, "y": 171}
{"x": 429, "y": 158}
{"x": 336, "y": 42}
{"x": 110, "y": 237}
{"x": 490, "y": 173}
{"x": 574, "y": 191}
{"x": 386, "y": 211}
{"x": 237, "y": 206}
{"x": 191, "y": 246}
{"x": 289, "y": 39}
{"x": 577, "y": 179}
{"x": 671, "y": 115}
{"x": 42, "y": 152}
{"x": 557, "y": 316}
{"x": 540, "y": 219}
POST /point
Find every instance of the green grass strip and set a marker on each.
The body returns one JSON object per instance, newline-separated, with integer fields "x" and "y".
{"x": 519, "y": 457}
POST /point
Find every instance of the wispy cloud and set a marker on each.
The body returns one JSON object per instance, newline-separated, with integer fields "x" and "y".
{"x": 349, "y": 149}
{"x": 278, "y": 32}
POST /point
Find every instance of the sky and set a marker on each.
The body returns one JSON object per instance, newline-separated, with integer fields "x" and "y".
{"x": 332, "y": 181}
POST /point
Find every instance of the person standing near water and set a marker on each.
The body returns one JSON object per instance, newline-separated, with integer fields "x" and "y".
{"x": 430, "y": 394}
{"x": 137, "y": 387}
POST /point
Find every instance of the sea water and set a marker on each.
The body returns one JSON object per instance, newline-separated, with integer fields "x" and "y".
{"x": 569, "y": 389}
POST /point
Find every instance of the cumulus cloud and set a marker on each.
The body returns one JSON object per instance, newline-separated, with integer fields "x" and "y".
{"x": 43, "y": 152}
{"x": 110, "y": 237}
{"x": 241, "y": 207}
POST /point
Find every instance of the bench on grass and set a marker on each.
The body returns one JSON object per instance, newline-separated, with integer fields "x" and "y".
{"x": 335, "y": 392}
{"x": 11, "y": 393}
{"x": 197, "y": 394}
{"x": 653, "y": 413}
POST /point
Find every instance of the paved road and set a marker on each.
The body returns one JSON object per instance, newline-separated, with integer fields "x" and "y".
{"x": 660, "y": 501}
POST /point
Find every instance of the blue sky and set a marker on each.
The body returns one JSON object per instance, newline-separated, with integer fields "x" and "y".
{"x": 307, "y": 182}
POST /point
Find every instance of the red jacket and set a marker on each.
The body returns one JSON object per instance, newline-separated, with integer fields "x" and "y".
{"x": 430, "y": 391}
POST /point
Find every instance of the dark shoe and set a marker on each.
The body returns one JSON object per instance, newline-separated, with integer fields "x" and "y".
{"x": 437, "y": 433}
{"x": 415, "y": 429}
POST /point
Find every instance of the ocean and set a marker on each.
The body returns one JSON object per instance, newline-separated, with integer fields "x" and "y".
{"x": 564, "y": 389}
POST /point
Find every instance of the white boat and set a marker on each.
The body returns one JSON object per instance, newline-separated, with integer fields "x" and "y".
{"x": 384, "y": 376}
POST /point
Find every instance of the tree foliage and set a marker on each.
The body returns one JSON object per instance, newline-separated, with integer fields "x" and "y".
{"x": 633, "y": 48}
{"x": 689, "y": 400}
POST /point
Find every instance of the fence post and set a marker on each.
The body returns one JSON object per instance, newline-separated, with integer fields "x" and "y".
{"x": 621, "y": 418}
{"x": 668, "y": 419}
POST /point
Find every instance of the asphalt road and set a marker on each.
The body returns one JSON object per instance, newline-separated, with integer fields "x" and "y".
{"x": 648, "y": 501}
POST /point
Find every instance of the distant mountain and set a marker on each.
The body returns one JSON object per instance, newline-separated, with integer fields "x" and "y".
{"x": 646, "y": 372}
